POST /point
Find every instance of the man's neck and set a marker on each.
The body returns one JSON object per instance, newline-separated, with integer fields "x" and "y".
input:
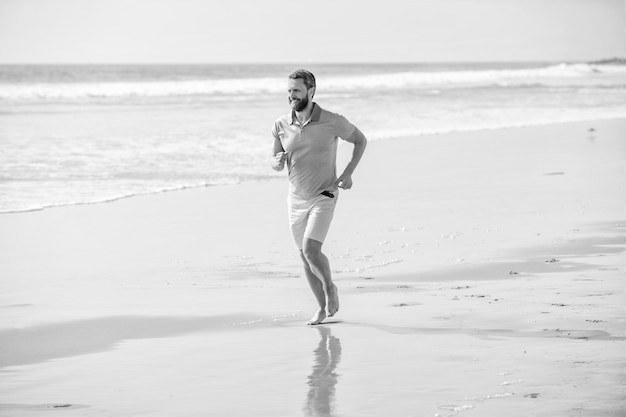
{"x": 305, "y": 114}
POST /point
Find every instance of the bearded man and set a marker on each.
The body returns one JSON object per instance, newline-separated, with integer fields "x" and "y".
{"x": 305, "y": 139}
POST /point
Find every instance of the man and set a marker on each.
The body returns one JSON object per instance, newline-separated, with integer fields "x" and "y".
{"x": 306, "y": 140}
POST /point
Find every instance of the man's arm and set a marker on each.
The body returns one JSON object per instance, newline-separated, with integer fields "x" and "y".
{"x": 360, "y": 143}
{"x": 279, "y": 156}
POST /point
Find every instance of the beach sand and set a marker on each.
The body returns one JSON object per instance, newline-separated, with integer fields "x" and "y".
{"x": 480, "y": 274}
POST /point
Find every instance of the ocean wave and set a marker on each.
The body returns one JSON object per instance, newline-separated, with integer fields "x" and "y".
{"x": 534, "y": 76}
{"x": 610, "y": 61}
{"x": 139, "y": 89}
{"x": 574, "y": 74}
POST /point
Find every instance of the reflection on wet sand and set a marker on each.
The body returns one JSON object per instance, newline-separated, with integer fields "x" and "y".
{"x": 323, "y": 378}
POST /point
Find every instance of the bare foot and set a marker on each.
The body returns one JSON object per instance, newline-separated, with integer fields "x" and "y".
{"x": 332, "y": 301}
{"x": 317, "y": 318}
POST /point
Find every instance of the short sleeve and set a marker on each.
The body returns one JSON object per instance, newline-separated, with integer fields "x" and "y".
{"x": 343, "y": 128}
{"x": 275, "y": 133}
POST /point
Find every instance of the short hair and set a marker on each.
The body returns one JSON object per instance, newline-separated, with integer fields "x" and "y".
{"x": 306, "y": 76}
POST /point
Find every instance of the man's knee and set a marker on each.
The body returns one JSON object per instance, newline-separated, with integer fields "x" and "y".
{"x": 303, "y": 257}
{"x": 311, "y": 250}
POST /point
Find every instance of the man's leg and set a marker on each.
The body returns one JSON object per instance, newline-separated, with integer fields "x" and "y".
{"x": 318, "y": 264}
{"x": 318, "y": 291}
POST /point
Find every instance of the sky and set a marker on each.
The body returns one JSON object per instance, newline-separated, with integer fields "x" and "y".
{"x": 264, "y": 31}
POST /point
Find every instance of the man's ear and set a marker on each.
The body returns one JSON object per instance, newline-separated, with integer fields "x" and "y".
{"x": 312, "y": 91}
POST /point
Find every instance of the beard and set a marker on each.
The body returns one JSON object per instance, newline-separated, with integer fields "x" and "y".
{"x": 299, "y": 104}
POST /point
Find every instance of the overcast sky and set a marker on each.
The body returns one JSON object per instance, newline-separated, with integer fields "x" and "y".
{"x": 181, "y": 31}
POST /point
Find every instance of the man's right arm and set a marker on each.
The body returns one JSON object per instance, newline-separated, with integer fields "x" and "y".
{"x": 278, "y": 161}
{"x": 279, "y": 156}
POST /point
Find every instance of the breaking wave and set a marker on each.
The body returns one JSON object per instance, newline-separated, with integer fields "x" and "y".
{"x": 571, "y": 74}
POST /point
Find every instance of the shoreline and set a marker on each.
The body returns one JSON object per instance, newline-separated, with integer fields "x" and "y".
{"x": 270, "y": 177}
{"x": 480, "y": 274}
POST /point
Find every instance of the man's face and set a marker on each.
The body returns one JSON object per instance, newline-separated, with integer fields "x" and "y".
{"x": 298, "y": 94}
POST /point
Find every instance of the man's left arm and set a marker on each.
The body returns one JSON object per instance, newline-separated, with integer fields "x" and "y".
{"x": 360, "y": 142}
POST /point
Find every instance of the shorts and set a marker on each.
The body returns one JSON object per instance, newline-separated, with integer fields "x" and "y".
{"x": 310, "y": 218}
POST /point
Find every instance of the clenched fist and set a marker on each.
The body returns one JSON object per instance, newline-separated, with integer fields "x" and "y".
{"x": 278, "y": 162}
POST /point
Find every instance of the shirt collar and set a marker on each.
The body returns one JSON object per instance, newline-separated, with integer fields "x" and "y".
{"x": 315, "y": 114}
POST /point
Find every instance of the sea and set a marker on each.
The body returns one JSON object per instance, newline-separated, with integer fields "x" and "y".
{"x": 82, "y": 134}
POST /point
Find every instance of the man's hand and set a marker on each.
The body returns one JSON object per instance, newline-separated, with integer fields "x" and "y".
{"x": 344, "y": 181}
{"x": 278, "y": 162}
{"x": 359, "y": 141}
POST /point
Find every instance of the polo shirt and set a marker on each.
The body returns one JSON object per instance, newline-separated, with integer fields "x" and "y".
{"x": 311, "y": 149}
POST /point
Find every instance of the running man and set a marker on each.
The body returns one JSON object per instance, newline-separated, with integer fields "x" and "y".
{"x": 306, "y": 140}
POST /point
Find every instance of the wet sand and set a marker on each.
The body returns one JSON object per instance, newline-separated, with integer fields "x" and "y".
{"x": 480, "y": 274}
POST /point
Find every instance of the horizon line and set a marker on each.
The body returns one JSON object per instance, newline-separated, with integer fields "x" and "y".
{"x": 513, "y": 61}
